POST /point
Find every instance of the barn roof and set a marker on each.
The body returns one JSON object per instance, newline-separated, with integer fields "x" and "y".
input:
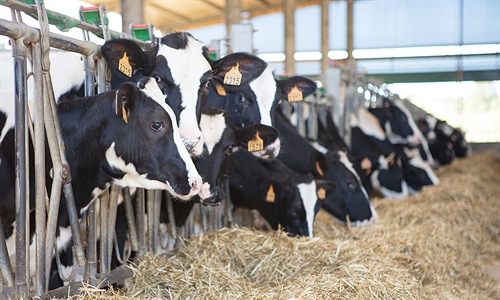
{"x": 172, "y": 15}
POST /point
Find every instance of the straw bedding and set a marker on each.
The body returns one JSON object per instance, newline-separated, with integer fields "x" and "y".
{"x": 435, "y": 245}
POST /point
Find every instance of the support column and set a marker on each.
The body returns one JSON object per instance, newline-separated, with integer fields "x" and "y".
{"x": 289, "y": 10}
{"x": 351, "y": 63}
{"x": 233, "y": 12}
{"x": 132, "y": 12}
{"x": 324, "y": 37}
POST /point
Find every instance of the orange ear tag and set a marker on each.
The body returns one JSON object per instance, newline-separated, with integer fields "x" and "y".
{"x": 366, "y": 164}
{"x": 270, "y": 197}
{"x": 124, "y": 65}
{"x": 321, "y": 194}
{"x": 318, "y": 168}
{"x": 233, "y": 77}
{"x": 124, "y": 113}
{"x": 220, "y": 89}
{"x": 295, "y": 95}
{"x": 255, "y": 144}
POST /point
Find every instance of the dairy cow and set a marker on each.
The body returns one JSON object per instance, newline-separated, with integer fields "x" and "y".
{"x": 127, "y": 137}
{"x": 283, "y": 197}
{"x": 343, "y": 195}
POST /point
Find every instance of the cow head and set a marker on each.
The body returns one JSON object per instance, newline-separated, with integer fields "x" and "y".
{"x": 388, "y": 177}
{"x": 346, "y": 197}
{"x": 177, "y": 61}
{"x": 146, "y": 148}
{"x": 417, "y": 172}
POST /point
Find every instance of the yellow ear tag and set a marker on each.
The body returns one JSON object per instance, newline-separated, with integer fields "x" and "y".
{"x": 270, "y": 194}
{"x": 318, "y": 168}
{"x": 255, "y": 144}
{"x": 124, "y": 65}
{"x": 220, "y": 89}
{"x": 295, "y": 95}
{"x": 124, "y": 113}
{"x": 233, "y": 77}
{"x": 321, "y": 194}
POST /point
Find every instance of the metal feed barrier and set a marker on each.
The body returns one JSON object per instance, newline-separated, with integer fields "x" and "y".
{"x": 99, "y": 220}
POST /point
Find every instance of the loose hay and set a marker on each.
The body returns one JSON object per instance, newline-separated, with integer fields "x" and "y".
{"x": 434, "y": 245}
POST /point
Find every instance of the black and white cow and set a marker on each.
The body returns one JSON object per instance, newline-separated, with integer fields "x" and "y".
{"x": 375, "y": 158}
{"x": 346, "y": 196}
{"x": 251, "y": 107}
{"x": 127, "y": 137}
{"x": 400, "y": 127}
{"x": 283, "y": 197}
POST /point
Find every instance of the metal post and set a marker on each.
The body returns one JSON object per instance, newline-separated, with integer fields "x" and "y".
{"x": 140, "y": 222}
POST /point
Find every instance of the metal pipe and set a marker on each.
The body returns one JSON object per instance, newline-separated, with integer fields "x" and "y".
{"x": 150, "y": 208}
{"x": 103, "y": 225}
{"x": 113, "y": 206}
{"x": 6, "y": 268}
{"x": 171, "y": 216}
{"x": 129, "y": 213}
{"x": 19, "y": 54}
{"x": 140, "y": 222}
{"x": 91, "y": 266}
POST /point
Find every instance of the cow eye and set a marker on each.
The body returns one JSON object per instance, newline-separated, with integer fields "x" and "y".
{"x": 207, "y": 84}
{"x": 157, "y": 78}
{"x": 156, "y": 126}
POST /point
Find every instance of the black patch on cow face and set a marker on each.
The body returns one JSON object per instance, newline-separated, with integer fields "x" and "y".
{"x": 176, "y": 40}
{"x": 392, "y": 177}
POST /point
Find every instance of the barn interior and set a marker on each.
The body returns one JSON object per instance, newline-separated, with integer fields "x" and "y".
{"x": 441, "y": 57}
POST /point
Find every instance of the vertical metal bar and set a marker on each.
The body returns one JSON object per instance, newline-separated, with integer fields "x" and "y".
{"x": 228, "y": 208}
{"x": 103, "y": 221}
{"x": 129, "y": 211}
{"x": 113, "y": 205}
{"x": 91, "y": 266}
{"x": 140, "y": 222}
{"x": 150, "y": 208}
{"x": 39, "y": 149}
{"x": 156, "y": 223}
{"x": 171, "y": 216}
{"x": 7, "y": 275}
{"x": 19, "y": 53}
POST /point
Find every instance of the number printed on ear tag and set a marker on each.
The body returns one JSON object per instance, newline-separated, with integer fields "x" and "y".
{"x": 124, "y": 65}
{"x": 295, "y": 95}
{"x": 233, "y": 77}
{"x": 255, "y": 144}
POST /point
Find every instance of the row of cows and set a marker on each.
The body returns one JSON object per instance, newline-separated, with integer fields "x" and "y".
{"x": 178, "y": 121}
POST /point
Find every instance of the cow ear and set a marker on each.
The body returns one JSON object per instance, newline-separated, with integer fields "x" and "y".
{"x": 125, "y": 57}
{"x": 325, "y": 187}
{"x": 291, "y": 87}
{"x": 237, "y": 69}
{"x": 125, "y": 98}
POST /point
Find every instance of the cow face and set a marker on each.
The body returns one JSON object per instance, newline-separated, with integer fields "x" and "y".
{"x": 178, "y": 63}
{"x": 348, "y": 198}
{"x": 145, "y": 146}
{"x": 388, "y": 178}
{"x": 398, "y": 123}
{"x": 417, "y": 172}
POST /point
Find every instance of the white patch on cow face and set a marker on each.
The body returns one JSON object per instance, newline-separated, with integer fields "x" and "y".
{"x": 274, "y": 148}
{"x": 187, "y": 67}
{"x": 309, "y": 199}
{"x": 368, "y": 123}
{"x": 212, "y": 128}
{"x": 414, "y": 139}
{"x": 152, "y": 90}
{"x": 133, "y": 179}
{"x": 265, "y": 89}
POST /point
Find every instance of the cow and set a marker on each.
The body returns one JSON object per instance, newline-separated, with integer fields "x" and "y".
{"x": 283, "y": 197}
{"x": 400, "y": 127}
{"x": 251, "y": 107}
{"x": 346, "y": 198}
{"x": 127, "y": 137}
{"x": 375, "y": 158}
{"x": 417, "y": 172}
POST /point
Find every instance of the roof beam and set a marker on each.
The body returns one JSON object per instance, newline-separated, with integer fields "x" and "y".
{"x": 175, "y": 16}
{"x": 213, "y": 5}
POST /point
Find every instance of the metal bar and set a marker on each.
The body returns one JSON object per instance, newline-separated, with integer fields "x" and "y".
{"x": 150, "y": 207}
{"x": 228, "y": 208}
{"x": 39, "y": 149}
{"x": 156, "y": 220}
{"x": 64, "y": 22}
{"x": 129, "y": 213}
{"x": 7, "y": 274}
{"x": 91, "y": 266}
{"x": 19, "y": 54}
{"x": 171, "y": 217}
{"x": 113, "y": 206}
{"x": 103, "y": 221}
{"x": 140, "y": 222}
